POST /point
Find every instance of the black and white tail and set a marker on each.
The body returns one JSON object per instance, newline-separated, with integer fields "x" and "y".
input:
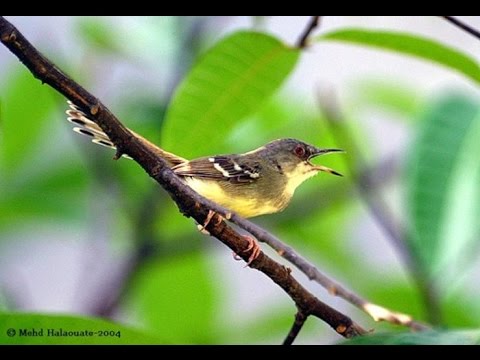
{"x": 85, "y": 126}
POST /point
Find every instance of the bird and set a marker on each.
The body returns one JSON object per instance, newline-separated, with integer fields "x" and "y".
{"x": 258, "y": 182}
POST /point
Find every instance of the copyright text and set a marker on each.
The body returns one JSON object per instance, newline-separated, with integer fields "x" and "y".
{"x": 60, "y": 332}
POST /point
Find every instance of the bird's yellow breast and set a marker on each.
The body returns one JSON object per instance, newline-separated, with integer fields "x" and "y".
{"x": 243, "y": 206}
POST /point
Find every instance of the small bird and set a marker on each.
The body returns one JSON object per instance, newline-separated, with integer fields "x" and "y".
{"x": 258, "y": 182}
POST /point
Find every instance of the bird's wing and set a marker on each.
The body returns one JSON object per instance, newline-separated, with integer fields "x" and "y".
{"x": 220, "y": 168}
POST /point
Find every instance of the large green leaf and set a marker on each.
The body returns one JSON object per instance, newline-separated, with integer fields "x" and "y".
{"x": 409, "y": 44}
{"x": 19, "y": 328}
{"x": 443, "y": 192}
{"x": 229, "y": 82}
{"x": 459, "y": 337}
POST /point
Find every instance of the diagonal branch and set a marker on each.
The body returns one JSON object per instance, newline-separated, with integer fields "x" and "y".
{"x": 463, "y": 26}
{"x": 189, "y": 202}
{"x": 312, "y": 25}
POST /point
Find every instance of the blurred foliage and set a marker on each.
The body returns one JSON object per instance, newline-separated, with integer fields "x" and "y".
{"x": 226, "y": 102}
{"x": 49, "y": 189}
{"x": 443, "y": 174}
{"x": 186, "y": 279}
{"x": 459, "y": 337}
{"x": 398, "y": 99}
{"x": 100, "y": 36}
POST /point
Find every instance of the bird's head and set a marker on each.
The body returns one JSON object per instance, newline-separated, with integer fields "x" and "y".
{"x": 293, "y": 158}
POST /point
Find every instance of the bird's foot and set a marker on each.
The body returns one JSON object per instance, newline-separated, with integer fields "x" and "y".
{"x": 253, "y": 247}
{"x": 209, "y": 217}
{"x": 252, "y": 243}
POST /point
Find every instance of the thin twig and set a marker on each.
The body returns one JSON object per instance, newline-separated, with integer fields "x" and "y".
{"x": 189, "y": 202}
{"x": 297, "y": 325}
{"x": 378, "y": 313}
{"x": 377, "y": 206}
{"x": 303, "y": 40}
{"x": 463, "y": 26}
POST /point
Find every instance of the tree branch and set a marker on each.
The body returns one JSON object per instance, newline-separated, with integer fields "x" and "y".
{"x": 300, "y": 319}
{"x": 378, "y": 313}
{"x": 463, "y": 26}
{"x": 189, "y": 202}
{"x": 303, "y": 40}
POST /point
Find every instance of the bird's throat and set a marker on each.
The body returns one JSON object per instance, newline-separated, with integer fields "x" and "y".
{"x": 302, "y": 172}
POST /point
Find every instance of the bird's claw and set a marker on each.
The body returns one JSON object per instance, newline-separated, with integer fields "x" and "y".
{"x": 252, "y": 243}
{"x": 210, "y": 215}
{"x": 253, "y": 247}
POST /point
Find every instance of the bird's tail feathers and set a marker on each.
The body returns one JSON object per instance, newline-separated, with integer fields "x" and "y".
{"x": 85, "y": 126}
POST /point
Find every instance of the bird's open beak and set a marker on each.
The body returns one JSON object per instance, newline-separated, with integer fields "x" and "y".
{"x": 317, "y": 152}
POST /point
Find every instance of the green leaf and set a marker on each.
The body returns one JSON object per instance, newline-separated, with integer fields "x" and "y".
{"x": 458, "y": 337}
{"x": 175, "y": 298}
{"x": 227, "y": 83}
{"x": 460, "y": 309}
{"x": 20, "y": 328}
{"x": 409, "y": 44}
{"x": 443, "y": 196}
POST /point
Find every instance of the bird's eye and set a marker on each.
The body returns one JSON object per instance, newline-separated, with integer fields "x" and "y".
{"x": 299, "y": 151}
